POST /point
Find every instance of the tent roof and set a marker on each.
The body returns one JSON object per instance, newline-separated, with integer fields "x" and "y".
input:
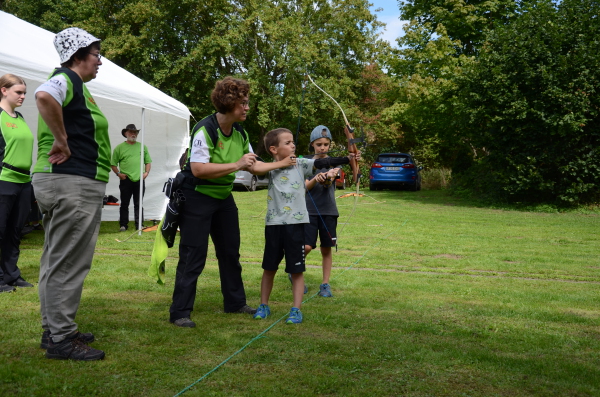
{"x": 112, "y": 82}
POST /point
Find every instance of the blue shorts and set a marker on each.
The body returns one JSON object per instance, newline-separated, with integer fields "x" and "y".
{"x": 288, "y": 241}
{"x": 325, "y": 231}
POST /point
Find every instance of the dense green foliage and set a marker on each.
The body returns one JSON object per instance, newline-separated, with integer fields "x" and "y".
{"x": 531, "y": 106}
{"x": 510, "y": 104}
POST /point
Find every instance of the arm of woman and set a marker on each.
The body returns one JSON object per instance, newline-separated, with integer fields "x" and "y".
{"x": 51, "y": 112}
{"x": 215, "y": 170}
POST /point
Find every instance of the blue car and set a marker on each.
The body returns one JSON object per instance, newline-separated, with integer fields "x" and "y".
{"x": 395, "y": 170}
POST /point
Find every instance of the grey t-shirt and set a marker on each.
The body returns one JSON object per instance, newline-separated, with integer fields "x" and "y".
{"x": 285, "y": 198}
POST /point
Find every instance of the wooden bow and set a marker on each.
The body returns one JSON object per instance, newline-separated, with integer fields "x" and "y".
{"x": 349, "y": 131}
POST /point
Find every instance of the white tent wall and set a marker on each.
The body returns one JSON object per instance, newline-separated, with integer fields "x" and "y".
{"x": 28, "y": 51}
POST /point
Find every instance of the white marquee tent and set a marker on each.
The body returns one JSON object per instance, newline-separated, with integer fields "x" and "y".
{"x": 28, "y": 51}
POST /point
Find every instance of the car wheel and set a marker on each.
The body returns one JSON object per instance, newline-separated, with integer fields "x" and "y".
{"x": 343, "y": 187}
{"x": 252, "y": 187}
{"x": 372, "y": 187}
{"x": 413, "y": 188}
{"x": 419, "y": 185}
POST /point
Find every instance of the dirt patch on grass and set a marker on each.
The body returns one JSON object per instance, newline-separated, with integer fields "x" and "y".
{"x": 448, "y": 256}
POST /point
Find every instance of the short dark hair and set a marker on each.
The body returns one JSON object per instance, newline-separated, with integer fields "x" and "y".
{"x": 81, "y": 54}
{"x": 272, "y": 138}
{"x": 228, "y": 92}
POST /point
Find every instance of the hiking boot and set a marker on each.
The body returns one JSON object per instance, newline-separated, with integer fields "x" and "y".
{"x": 19, "y": 282}
{"x": 86, "y": 338}
{"x": 123, "y": 228}
{"x": 262, "y": 312}
{"x": 246, "y": 309}
{"x": 295, "y": 316}
{"x": 325, "y": 291}
{"x": 305, "y": 286}
{"x": 184, "y": 322}
{"x": 72, "y": 348}
{"x": 6, "y": 288}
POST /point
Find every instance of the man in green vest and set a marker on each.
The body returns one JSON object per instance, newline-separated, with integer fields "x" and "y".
{"x": 125, "y": 164}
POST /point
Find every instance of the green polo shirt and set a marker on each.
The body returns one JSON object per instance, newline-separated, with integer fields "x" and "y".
{"x": 16, "y": 147}
{"x": 127, "y": 158}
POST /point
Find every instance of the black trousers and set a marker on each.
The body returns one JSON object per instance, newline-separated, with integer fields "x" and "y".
{"x": 15, "y": 202}
{"x": 128, "y": 189}
{"x": 201, "y": 216}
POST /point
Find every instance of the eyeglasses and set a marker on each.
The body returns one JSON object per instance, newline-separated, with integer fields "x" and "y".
{"x": 96, "y": 55}
{"x": 245, "y": 104}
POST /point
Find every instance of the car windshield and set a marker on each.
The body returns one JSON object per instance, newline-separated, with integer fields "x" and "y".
{"x": 393, "y": 159}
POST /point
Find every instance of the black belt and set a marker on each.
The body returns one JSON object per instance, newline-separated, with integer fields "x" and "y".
{"x": 190, "y": 182}
{"x": 16, "y": 169}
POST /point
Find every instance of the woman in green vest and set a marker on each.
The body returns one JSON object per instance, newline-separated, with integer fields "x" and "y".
{"x": 16, "y": 149}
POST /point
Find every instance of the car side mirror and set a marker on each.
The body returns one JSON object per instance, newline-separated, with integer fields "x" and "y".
{"x": 420, "y": 167}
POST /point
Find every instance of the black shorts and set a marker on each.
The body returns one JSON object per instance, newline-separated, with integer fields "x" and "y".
{"x": 326, "y": 232}
{"x": 284, "y": 240}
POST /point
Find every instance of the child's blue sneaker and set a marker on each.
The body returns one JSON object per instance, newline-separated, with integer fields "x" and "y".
{"x": 262, "y": 312}
{"x": 305, "y": 286}
{"x": 295, "y": 316}
{"x": 325, "y": 291}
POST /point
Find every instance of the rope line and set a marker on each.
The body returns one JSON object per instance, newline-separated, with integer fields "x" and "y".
{"x": 259, "y": 336}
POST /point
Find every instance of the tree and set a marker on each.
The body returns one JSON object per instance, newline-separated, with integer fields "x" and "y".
{"x": 531, "y": 106}
{"x": 466, "y": 22}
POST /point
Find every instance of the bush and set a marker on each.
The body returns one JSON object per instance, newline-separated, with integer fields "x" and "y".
{"x": 531, "y": 107}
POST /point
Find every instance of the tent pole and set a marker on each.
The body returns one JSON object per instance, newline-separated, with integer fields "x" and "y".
{"x": 142, "y": 169}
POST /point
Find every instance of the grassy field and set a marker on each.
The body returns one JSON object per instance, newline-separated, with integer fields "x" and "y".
{"x": 433, "y": 296}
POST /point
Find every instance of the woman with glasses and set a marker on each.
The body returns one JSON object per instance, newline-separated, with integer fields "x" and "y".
{"x": 218, "y": 148}
{"x": 69, "y": 180}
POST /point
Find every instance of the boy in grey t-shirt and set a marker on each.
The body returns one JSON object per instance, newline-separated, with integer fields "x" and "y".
{"x": 286, "y": 216}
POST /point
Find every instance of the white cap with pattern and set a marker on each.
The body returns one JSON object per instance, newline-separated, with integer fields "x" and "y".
{"x": 70, "y": 40}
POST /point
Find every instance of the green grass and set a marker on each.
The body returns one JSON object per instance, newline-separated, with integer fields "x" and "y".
{"x": 433, "y": 296}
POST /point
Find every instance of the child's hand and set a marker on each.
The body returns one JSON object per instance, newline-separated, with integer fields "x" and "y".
{"x": 289, "y": 161}
{"x": 332, "y": 173}
{"x": 321, "y": 177}
{"x": 354, "y": 155}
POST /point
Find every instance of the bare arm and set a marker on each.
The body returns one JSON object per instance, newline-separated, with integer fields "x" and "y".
{"x": 148, "y": 166}
{"x": 51, "y": 112}
{"x": 214, "y": 170}
{"x": 260, "y": 168}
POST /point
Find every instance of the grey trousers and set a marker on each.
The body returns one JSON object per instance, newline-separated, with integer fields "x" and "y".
{"x": 71, "y": 207}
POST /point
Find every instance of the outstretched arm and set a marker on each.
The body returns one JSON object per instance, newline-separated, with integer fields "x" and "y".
{"x": 216, "y": 170}
{"x": 260, "y": 168}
